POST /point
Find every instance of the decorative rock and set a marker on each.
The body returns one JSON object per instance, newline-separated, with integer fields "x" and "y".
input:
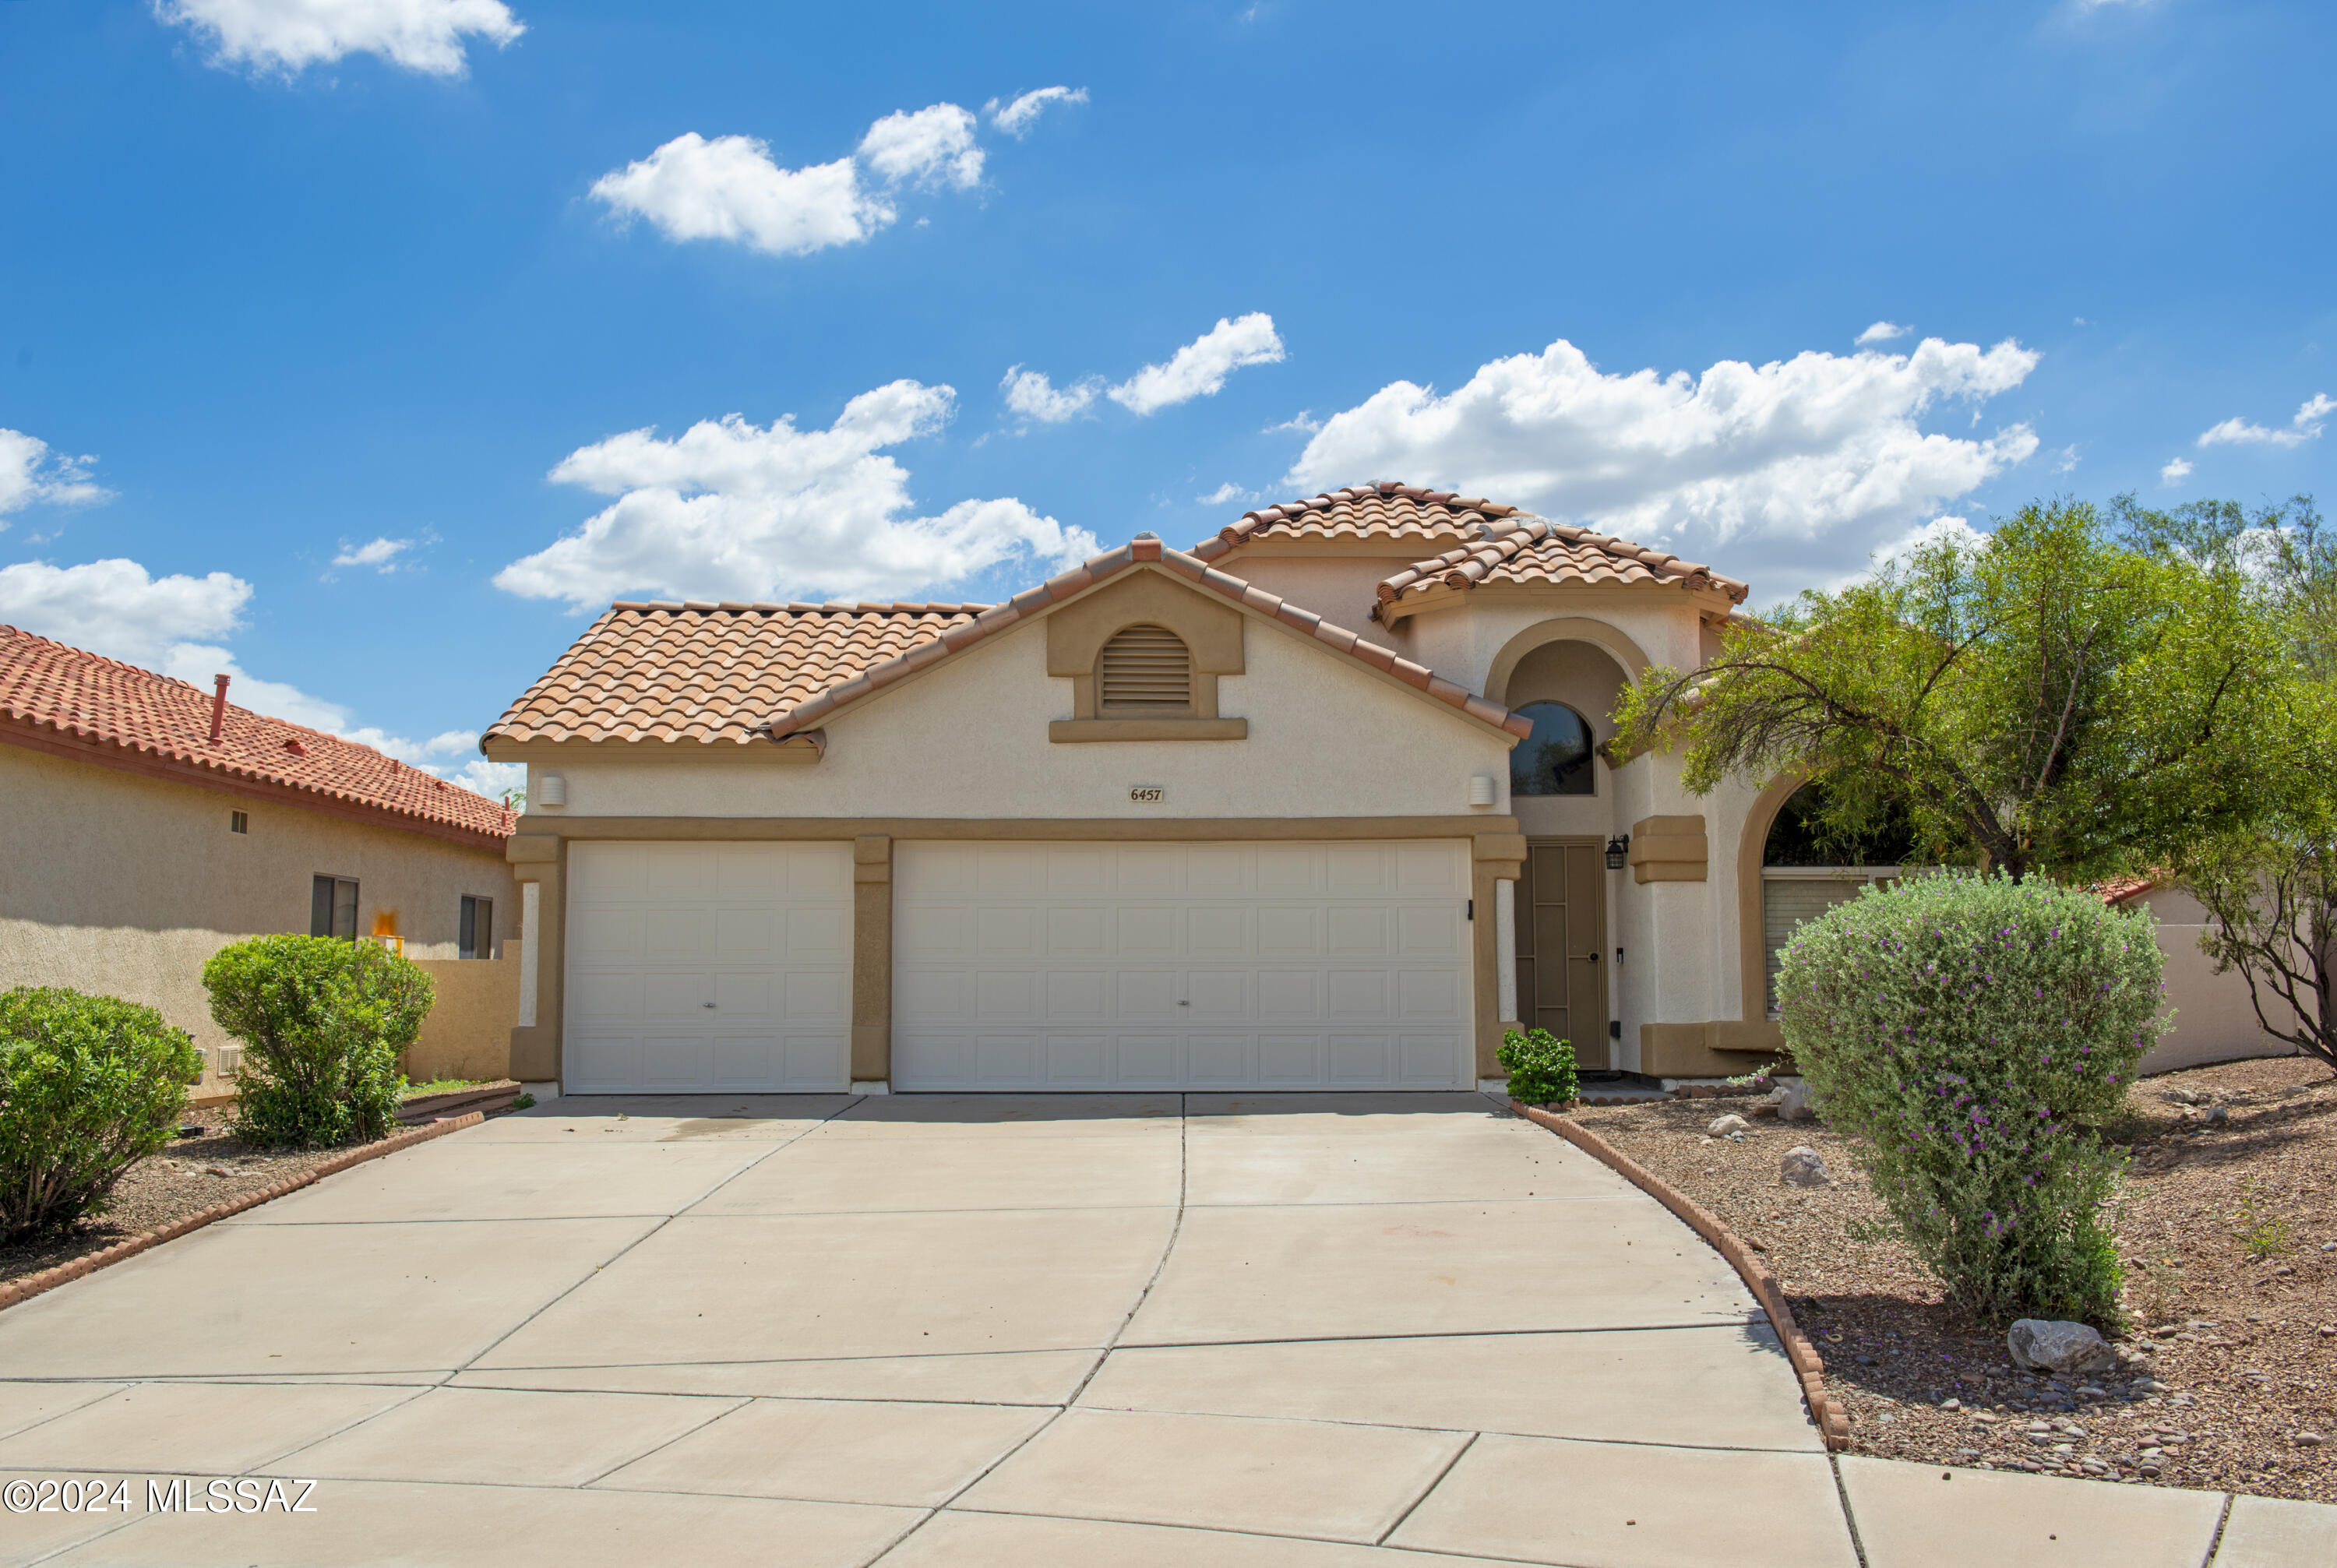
{"x": 1723, "y": 1125}
{"x": 1763, "y": 1108}
{"x": 1804, "y": 1167}
{"x": 2306, "y": 1439}
{"x": 2216, "y": 1113}
{"x": 1795, "y": 1102}
{"x": 2181, "y": 1097}
{"x": 2042, "y": 1344}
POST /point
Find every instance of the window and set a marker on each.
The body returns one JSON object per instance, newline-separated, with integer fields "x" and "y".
{"x": 1555, "y": 759}
{"x": 1805, "y": 871}
{"x": 333, "y": 908}
{"x": 1145, "y": 671}
{"x": 238, "y": 821}
{"x": 478, "y": 932}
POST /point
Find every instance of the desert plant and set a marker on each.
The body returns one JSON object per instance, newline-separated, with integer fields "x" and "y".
{"x": 322, "y": 1022}
{"x": 88, "y": 1085}
{"x": 1972, "y": 1034}
{"x": 1541, "y": 1068}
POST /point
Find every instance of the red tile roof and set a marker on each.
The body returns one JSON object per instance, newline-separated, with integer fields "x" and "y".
{"x": 1532, "y": 551}
{"x": 120, "y": 715}
{"x": 712, "y": 672}
{"x": 1384, "y": 513}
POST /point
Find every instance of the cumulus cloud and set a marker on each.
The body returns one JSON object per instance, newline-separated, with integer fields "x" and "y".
{"x": 381, "y": 555}
{"x": 1883, "y": 332}
{"x": 1227, "y": 492}
{"x": 30, "y": 473}
{"x": 2177, "y": 470}
{"x": 1303, "y": 422}
{"x": 931, "y": 147}
{"x": 730, "y": 510}
{"x": 2305, "y": 425}
{"x": 1017, "y": 118}
{"x": 730, "y": 189}
{"x": 1200, "y": 368}
{"x": 1785, "y": 473}
{"x": 1030, "y": 393}
{"x": 289, "y": 35}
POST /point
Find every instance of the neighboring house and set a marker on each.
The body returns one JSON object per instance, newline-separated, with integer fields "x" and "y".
{"x": 144, "y": 823}
{"x": 1163, "y": 822}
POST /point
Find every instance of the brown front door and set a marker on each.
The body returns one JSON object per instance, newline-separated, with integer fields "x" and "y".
{"x": 1561, "y": 935}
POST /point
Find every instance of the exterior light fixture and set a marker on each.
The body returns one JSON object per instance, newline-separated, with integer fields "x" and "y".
{"x": 1615, "y": 849}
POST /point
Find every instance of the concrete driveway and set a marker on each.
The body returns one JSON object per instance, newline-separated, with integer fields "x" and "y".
{"x": 938, "y": 1330}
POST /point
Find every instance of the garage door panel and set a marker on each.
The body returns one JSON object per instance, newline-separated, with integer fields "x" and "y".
{"x": 1218, "y": 931}
{"x": 1006, "y": 931}
{"x": 1077, "y": 873}
{"x": 1351, "y": 869}
{"x": 1078, "y": 995}
{"x": 925, "y": 929}
{"x": 1010, "y": 871}
{"x": 1151, "y": 932}
{"x": 1220, "y": 1061}
{"x": 1290, "y": 1061}
{"x": 942, "y": 872}
{"x": 1426, "y": 1059}
{"x": 1289, "y": 993}
{"x": 1148, "y": 1059}
{"x": 1354, "y": 933}
{"x": 1357, "y": 1059}
{"x": 1289, "y": 871}
{"x": 1079, "y": 1061}
{"x": 1218, "y": 994}
{"x": 1217, "y": 873}
{"x": 1428, "y": 994}
{"x": 708, "y": 967}
{"x": 1428, "y": 933}
{"x": 1077, "y": 931}
{"x": 1357, "y": 993}
{"x": 1425, "y": 871}
{"x": 1148, "y": 993}
{"x": 1148, "y": 872}
{"x": 1006, "y": 1059}
{"x": 1006, "y": 994}
{"x": 1289, "y": 933}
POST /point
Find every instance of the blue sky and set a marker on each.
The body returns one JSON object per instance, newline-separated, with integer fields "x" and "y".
{"x": 395, "y": 283}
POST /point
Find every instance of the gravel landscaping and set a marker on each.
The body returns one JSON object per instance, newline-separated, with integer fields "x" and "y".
{"x": 2228, "y": 1373}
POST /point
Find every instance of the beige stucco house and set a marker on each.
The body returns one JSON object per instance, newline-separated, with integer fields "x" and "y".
{"x": 1320, "y": 804}
{"x": 145, "y": 823}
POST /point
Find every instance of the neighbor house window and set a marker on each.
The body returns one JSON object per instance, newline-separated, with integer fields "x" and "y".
{"x": 333, "y": 906}
{"x": 1145, "y": 672}
{"x": 238, "y": 821}
{"x": 1805, "y": 871}
{"x": 478, "y": 932}
{"x": 1555, "y": 759}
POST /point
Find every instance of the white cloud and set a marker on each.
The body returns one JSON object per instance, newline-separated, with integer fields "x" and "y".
{"x": 1200, "y": 367}
{"x": 728, "y": 510}
{"x": 1227, "y": 492}
{"x": 2305, "y": 426}
{"x": 932, "y": 146}
{"x": 1784, "y": 472}
{"x": 31, "y": 473}
{"x": 1937, "y": 531}
{"x": 730, "y": 189}
{"x": 2177, "y": 469}
{"x": 1030, "y": 393}
{"x": 381, "y": 555}
{"x": 1883, "y": 332}
{"x": 2066, "y": 460}
{"x": 288, "y": 36}
{"x": 1303, "y": 422}
{"x": 1017, "y": 118}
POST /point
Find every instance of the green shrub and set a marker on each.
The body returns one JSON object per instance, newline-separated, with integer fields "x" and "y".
{"x": 322, "y": 1022}
{"x": 1541, "y": 1069}
{"x": 1971, "y": 1035}
{"x": 88, "y": 1085}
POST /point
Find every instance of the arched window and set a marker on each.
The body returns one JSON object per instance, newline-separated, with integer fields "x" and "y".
{"x": 1807, "y": 869}
{"x": 1144, "y": 673}
{"x": 1555, "y": 759}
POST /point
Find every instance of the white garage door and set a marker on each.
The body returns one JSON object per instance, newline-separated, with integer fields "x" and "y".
{"x": 708, "y": 967}
{"x": 1064, "y": 967}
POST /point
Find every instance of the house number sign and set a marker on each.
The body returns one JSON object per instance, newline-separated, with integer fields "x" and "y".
{"x": 1146, "y": 794}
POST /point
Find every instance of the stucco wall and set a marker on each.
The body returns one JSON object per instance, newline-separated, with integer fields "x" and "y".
{"x": 968, "y": 739}
{"x": 124, "y": 886}
{"x": 1465, "y": 641}
{"x": 2214, "y": 1020}
{"x": 1339, "y": 587}
{"x": 468, "y": 1031}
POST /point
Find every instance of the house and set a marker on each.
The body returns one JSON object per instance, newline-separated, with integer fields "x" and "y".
{"x": 145, "y": 823}
{"x": 1319, "y": 804}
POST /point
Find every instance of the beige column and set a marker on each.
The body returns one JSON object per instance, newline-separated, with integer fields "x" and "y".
{"x": 872, "y": 964}
{"x": 1498, "y": 857}
{"x": 538, "y": 861}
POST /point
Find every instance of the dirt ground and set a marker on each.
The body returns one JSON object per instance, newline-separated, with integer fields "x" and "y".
{"x": 2228, "y": 1228}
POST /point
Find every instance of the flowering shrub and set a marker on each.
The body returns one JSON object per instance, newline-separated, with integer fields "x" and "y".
{"x": 1541, "y": 1068}
{"x": 1970, "y": 1034}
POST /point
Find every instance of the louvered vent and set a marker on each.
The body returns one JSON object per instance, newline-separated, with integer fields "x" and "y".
{"x": 1145, "y": 670}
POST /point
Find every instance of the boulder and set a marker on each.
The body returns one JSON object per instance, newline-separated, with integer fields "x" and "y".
{"x": 1804, "y": 1167}
{"x": 1722, "y": 1126}
{"x": 1795, "y": 1102}
{"x": 2046, "y": 1345}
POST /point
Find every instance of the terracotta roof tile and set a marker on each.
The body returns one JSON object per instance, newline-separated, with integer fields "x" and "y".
{"x": 1536, "y": 551}
{"x": 67, "y": 690}
{"x": 1384, "y": 513}
{"x": 699, "y": 671}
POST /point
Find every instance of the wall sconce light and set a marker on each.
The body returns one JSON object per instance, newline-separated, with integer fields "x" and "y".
{"x": 1617, "y": 848}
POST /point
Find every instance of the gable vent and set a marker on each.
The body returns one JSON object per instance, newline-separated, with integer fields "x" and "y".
{"x": 1145, "y": 670}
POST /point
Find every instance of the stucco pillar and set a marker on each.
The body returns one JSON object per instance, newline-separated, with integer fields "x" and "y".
{"x": 538, "y": 861}
{"x": 1495, "y": 858}
{"x": 1505, "y": 948}
{"x": 872, "y": 964}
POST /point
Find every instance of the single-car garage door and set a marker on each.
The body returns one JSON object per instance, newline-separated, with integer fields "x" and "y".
{"x": 1270, "y": 966}
{"x": 708, "y": 967}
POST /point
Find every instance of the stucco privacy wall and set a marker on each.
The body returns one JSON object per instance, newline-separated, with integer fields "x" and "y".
{"x": 468, "y": 1031}
{"x": 124, "y": 886}
{"x": 1328, "y": 738}
{"x": 2213, "y": 1019}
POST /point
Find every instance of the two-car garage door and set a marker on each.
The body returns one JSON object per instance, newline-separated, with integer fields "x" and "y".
{"x": 1024, "y": 967}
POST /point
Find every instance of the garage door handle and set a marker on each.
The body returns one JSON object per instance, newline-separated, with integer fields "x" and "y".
{"x": 1184, "y": 1004}
{"x": 709, "y": 1004}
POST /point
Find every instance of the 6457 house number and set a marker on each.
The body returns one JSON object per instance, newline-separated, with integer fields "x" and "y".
{"x": 180, "y": 1494}
{"x": 1146, "y": 794}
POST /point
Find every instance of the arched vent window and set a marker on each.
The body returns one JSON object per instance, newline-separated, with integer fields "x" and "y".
{"x": 1145, "y": 671}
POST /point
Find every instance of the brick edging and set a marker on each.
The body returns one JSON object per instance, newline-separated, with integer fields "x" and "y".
{"x": 32, "y": 1285}
{"x": 1833, "y": 1420}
